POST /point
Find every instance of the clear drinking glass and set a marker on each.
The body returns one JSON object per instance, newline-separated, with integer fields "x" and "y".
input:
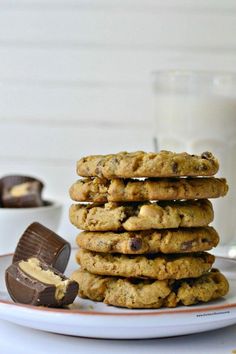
{"x": 196, "y": 112}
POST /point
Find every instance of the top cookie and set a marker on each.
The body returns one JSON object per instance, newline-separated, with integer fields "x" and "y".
{"x": 143, "y": 164}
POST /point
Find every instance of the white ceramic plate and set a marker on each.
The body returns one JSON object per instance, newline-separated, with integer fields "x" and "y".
{"x": 96, "y": 320}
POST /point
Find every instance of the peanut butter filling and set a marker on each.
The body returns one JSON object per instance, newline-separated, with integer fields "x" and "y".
{"x": 19, "y": 189}
{"x": 32, "y": 268}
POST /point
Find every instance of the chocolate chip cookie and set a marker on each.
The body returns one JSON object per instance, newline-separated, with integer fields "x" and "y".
{"x": 102, "y": 190}
{"x": 150, "y": 241}
{"x": 141, "y": 216}
{"x": 140, "y": 293}
{"x": 156, "y": 266}
{"x": 143, "y": 164}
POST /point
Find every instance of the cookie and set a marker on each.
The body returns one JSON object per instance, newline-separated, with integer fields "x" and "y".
{"x": 102, "y": 190}
{"x": 140, "y": 242}
{"x": 143, "y": 164}
{"x": 137, "y": 293}
{"x": 141, "y": 216}
{"x": 159, "y": 267}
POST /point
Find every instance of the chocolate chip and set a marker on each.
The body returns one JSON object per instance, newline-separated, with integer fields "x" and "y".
{"x": 203, "y": 167}
{"x": 206, "y": 155}
{"x": 187, "y": 245}
{"x": 99, "y": 167}
{"x": 206, "y": 240}
{"x": 114, "y": 161}
{"x": 135, "y": 244}
{"x": 174, "y": 167}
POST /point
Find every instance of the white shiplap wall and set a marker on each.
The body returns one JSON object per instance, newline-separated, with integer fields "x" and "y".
{"x": 75, "y": 76}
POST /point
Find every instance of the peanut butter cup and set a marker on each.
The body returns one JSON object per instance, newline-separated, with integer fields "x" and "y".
{"x": 43, "y": 243}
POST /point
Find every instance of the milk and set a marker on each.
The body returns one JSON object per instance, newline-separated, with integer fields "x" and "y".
{"x": 196, "y": 123}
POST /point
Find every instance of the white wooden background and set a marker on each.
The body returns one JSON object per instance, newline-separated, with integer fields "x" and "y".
{"x": 75, "y": 75}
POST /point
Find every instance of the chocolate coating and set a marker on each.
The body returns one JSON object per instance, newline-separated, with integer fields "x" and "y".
{"x": 31, "y": 198}
{"x": 25, "y": 289}
{"x": 41, "y": 242}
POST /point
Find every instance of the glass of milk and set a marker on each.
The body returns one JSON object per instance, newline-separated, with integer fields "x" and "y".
{"x": 196, "y": 112}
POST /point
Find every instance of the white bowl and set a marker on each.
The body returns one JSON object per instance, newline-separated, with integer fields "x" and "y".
{"x": 13, "y": 222}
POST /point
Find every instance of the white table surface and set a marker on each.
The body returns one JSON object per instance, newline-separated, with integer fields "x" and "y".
{"x": 19, "y": 340}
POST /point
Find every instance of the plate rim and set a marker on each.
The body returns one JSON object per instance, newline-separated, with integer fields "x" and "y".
{"x": 100, "y": 313}
{"x": 154, "y": 312}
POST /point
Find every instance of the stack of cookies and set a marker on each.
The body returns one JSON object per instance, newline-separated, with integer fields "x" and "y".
{"x": 146, "y": 234}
